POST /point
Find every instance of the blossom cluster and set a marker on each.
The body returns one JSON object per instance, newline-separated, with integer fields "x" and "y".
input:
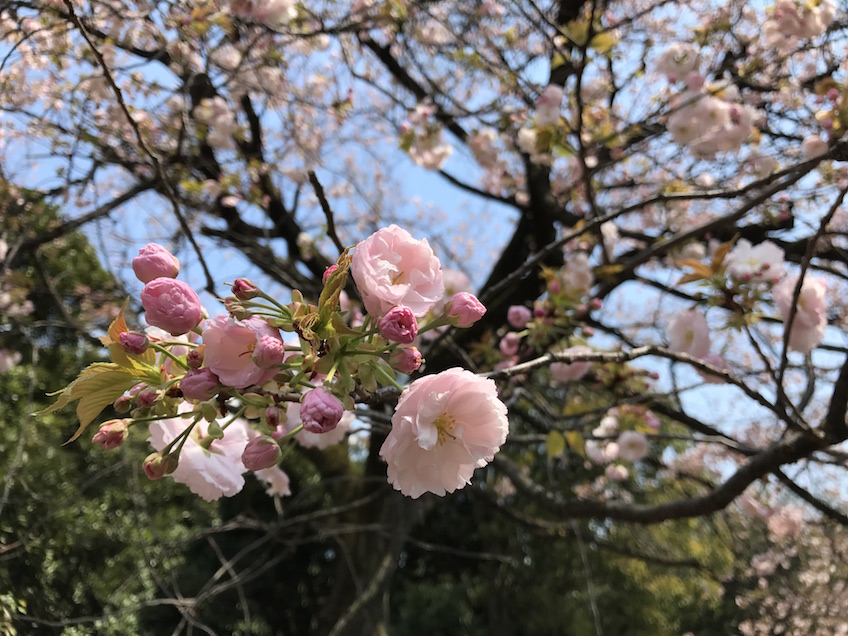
{"x": 227, "y": 394}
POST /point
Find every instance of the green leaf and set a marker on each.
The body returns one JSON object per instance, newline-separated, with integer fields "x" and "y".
{"x": 554, "y": 444}
{"x": 576, "y": 443}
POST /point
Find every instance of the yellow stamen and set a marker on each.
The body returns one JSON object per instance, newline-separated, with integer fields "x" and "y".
{"x": 444, "y": 425}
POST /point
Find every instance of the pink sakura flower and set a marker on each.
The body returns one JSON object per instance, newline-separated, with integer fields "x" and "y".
{"x": 399, "y": 325}
{"x": 813, "y": 146}
{"x": 209, "y": 472}
{"x": 758, "y": 263}
{"x": 509, "y": 344}
{"x": 616, "y": 472}
{"x": 277, "y": 481}
{"x": 549, "y": 105}
{"x": 154, "y": 261}
{"x": 445, "y": 425}
{"x": 632, "y": 446}
{"x": 229, "y": 350}
{"x": 391, "y": 269}
{"x": 810, "y": 319}
{"x": 171, "y": 305}
{"x": 569, "y": 372}
{"x": 688, "y": 333}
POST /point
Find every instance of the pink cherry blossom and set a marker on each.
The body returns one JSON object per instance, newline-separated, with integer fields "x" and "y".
{"x": 810, "y": 319}
{"x": 391, "y": 269}
{"x": 569, "y": 372}
{"x": 813, "y": 146}
{"x": 632, "y": 446}
{"x": 445, "y": 425}
{"x": 154, "y": 261}
{"x": 549, "y": 105}
{"x": 688, "y": 333}
{"x": 762, "y": 262}
{"x": 509, "y": 344}
{"x": 229, "y": 350}
{"x": 171, "y": 305}
{"x": 209, "y": 472}
{"x": 277, "y": 481}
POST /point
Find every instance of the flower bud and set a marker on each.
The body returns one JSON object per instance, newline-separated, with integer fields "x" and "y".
{"x": 146, "y": 398}
{"x": 199, "y": 384}
{"x": 320, "y": 411}
{"x": 329, "y": 272}
{"x": 273, "y": 417}
{"x": 509, "y": 344}
{"x": 171, "y": 305}
{"x": 235, "y": 308}
{"x": 518, "y": 316}
{"x": 260, "y": 453}
{"x": 194, "y": 358}
{"x": 123, "y": 404}
{"x": 399, "y": 325}
{"x": 464, "y": 309}
{"x": 406, "y": 359}
{"x": 111, "y": 434}
{"x": 154, "y": 261}
{"x": 156, "y": 466}
{"x": 133, "y": 342}
{"x": 245, "y": 289}
{"x": 269, "y": 352}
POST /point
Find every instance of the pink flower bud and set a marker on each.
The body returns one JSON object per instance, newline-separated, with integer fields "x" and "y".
{"x": 123, "y": 404}
{"x": 329, "y": 272}
{"x": 146, "y": 398}
{"x": 273, "y": 417}
{"x": 154, "y": 261}
{"x": 155, "y": 466}
{"x": 320, "y": 411}
{"x": 406, "y": 359}
{"x": 199, "y": 384}
{"x": 260, "y": 453}
{"x": 111, "y": 434}
{"x": 235, "y": 308}
{"x": 194, "y": 359}
{"x": 464, "y": 309}
{"x": 135, "y": 343}
{"x": 518, "y": 316}
{"x": 540, "y": 311}
{"x": 245, "y": 289}
{"x": 269, "y": 352}
{"x": 171, "y": 305}
{"x": 399, "y": 325}
{"x": 509, "y": 344}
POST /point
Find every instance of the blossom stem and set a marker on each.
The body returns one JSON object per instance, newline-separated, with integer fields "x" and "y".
{"x": 166, "y": 352}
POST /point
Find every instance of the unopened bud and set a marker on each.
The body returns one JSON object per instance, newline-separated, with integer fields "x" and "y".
{"x": 135, "y": 343}
{"x": 260, "y": 453}
{"x": 111, "y": 434}
{"x": 194, "y": 359}
{"x": 156, "y": 466}
{"x": 245, "y": 289}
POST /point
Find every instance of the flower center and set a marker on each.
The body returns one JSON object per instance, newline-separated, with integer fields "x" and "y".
{"x": 444, "y": 426}
{"x": 397, "y": 279}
